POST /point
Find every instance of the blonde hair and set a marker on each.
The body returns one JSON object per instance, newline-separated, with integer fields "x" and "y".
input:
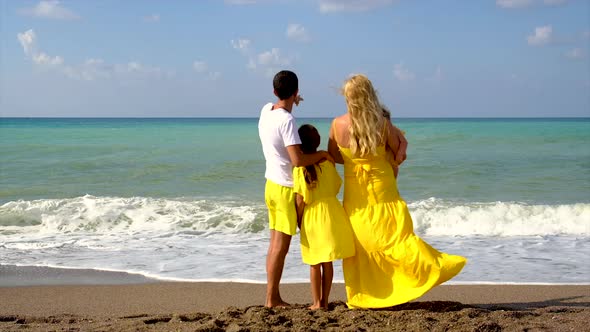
{"x": 366, "y": 116}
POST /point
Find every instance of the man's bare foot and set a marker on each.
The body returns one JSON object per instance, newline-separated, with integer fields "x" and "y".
{"x": 277, "y": 304}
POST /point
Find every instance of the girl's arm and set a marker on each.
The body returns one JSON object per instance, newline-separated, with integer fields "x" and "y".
{"x": 299, "y": 207}
{"x": 397, "y": 142}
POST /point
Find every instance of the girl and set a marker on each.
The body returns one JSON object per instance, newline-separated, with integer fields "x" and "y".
{"x": 326, "y": 233}
{"x": 390, "y": 154}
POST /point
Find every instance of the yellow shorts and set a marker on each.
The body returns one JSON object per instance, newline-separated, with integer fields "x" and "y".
{"x": 280, "y": 201}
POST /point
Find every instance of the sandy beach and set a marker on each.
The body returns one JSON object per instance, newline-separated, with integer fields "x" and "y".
{"x": 121, "y": 302}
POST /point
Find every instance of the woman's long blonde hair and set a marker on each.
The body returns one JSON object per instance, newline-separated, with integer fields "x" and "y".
{"x": 366, "y": 116}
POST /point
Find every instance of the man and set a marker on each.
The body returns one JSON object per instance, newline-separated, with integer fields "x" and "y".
{"x": 281, "y": 146}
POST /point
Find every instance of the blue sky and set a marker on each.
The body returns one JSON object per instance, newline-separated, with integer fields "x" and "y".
{"x": 454, "y": 58}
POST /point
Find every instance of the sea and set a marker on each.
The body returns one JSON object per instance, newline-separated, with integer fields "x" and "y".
{"x": 183, "y": 198}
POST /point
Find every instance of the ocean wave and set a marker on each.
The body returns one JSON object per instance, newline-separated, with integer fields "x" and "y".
{"x": 90, "y": 214}
{"x": 437, "y": 217}
{"x": 169, "y": 217}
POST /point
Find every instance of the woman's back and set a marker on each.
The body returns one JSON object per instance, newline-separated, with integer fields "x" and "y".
{"x": 368, "y": 180}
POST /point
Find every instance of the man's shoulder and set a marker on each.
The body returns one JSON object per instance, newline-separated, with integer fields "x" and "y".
{"x": 278, "y": 115}
{"x": 267, "y": 107}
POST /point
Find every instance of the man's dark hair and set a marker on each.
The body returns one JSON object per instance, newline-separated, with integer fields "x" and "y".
{"x": 285, "y": 84}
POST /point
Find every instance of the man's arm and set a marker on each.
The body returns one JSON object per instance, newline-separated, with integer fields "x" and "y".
{"x": 298, "y": 158}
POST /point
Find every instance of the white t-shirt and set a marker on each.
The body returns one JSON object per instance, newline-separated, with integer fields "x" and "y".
{"x": 277, "y": 130}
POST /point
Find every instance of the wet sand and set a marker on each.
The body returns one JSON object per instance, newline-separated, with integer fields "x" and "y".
{"x": 126, "y": 303}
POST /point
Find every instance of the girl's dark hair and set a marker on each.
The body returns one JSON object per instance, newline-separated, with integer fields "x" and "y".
{"x": 386, "y": 112}
{"x": 310, "y": 140}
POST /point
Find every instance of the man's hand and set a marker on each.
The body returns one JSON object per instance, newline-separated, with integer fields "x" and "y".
{"x": 328, "y": 157}
{"x": 298, "y": 99}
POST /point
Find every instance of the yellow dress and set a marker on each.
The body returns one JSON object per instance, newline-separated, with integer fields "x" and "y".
{"x": 392, "y": 265}
{"x": 326, "y": 234}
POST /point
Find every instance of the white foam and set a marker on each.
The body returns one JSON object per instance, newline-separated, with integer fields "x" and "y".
{"x": 108, "y": 215}
{"x": 168, "y": 217}
{"x": 436, "y": 217}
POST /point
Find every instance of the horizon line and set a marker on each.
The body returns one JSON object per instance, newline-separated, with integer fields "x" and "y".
{"x": 303, "y": 117}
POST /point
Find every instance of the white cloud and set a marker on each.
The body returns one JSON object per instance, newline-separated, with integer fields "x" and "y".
{"x": 438, "y": 75}
{"x": 51, "y": 9}
{"x": 154, "y": 18}
{"x": 243, "y": 45}
{"x": 90, "y": 69}
{"x": 333, "y": 6}
{"x": 200, "y": 66}
{"x": 271, "y": 62}
{"x": 402, "y": 73}
{"x": 251, "y": 63}
{"x": 214, "y": 75}
{"x": 297, "y": 32}
{"x": 513, "y": 3}
{"x": 44, "y": 59}
{"x": 267, "y": 62}
{"x": 542, "y": 36}
{"x": 273, "y": 58}
{"x": 93, "y": 69}
{"x": 134, "y": 66}
{"x": 240, "y": 2}
{"x": 28, "y": 42}
{"x": 576, "y": 53}
{"x": 555, "y": 2}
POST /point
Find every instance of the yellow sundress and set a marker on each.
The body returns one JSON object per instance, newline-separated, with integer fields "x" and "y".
{"x": 392, "y": 265}
{"x": 326, "y": 234}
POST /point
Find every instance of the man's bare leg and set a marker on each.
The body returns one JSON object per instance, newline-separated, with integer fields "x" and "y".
{"x": 275, "y": 260}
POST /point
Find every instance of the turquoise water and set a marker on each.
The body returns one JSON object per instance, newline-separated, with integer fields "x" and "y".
{"x": 535, "y": 161}
{"x": 183, "y": 198}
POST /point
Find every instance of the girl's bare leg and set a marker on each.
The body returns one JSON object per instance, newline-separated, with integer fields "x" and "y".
{"x": 327, "y": 276}
{"x": 315, "y": 277}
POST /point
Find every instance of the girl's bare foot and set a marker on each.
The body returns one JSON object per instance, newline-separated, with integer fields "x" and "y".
{"x": 315, "y": 306}
{"x": 277, "y": 304}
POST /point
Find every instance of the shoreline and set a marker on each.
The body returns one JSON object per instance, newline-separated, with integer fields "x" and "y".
{"x": 40, "y": 275}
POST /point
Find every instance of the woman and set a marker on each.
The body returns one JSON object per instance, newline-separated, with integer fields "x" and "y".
{"x": 392, "y": 265}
